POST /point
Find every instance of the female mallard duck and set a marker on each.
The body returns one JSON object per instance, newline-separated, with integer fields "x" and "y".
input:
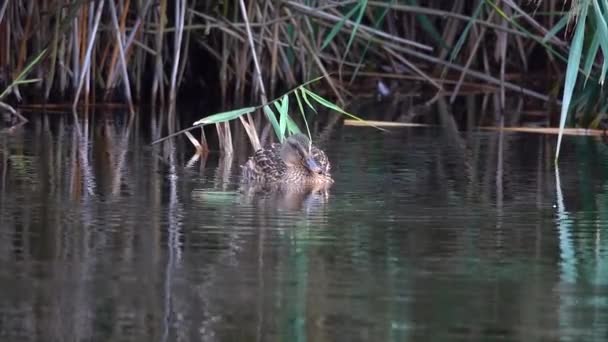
{"x": 295, "y": 162}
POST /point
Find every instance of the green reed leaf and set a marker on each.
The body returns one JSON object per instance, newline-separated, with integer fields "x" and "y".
{"x": 273, "y": 121}
{"x": 334, "y": 31}
{"x": 223, "y": 116}
{"x": 553, "y": 31}
{"x": 20, "y": 78}
{"x": 292, "y": 126}
{"x": 590, "y": 56}
{"x": 574, "y": 60}
{"x": 283, "y": 115}
{"x": 303, "y": 113}
{"x": 362, "y": 6}
{"x": 303, "y": 91}
{"x": 465, "y": 32}
{"x": 328, "y": 104}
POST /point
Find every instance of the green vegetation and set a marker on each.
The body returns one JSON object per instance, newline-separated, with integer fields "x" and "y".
{"x": 590, "y": 100}
{"x": 247, "y": 51}
{"x": 284, "y": 126}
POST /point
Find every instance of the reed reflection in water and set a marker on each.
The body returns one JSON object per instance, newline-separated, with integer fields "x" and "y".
{"x": 427, "y": 233}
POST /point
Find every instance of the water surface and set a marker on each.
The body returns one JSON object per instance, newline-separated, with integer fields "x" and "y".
{"x": 426, "y": 235}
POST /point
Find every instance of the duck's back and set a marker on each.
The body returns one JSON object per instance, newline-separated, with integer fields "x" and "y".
{"x": 265, "y": 165}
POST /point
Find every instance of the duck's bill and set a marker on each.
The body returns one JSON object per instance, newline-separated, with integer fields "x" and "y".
{"x": 313, "y": 166}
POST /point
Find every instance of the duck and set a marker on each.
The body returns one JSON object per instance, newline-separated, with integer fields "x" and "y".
{"x": 295, "y": 162}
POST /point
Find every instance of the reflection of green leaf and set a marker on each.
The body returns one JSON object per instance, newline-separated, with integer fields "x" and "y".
{"x": 214, "y": 197}
{"x": 24, "y": 167}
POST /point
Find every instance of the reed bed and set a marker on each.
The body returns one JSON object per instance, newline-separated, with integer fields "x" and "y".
{"x": 249, "y": 51}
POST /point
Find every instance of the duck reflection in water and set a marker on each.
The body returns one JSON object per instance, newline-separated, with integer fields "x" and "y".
{"x": 292, "y": 175}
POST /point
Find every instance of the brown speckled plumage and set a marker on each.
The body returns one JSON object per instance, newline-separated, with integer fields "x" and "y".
{"x": 268, "y": 165}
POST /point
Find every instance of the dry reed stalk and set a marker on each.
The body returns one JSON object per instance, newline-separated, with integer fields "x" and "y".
{"x": 482, "y": 76}
{"x": 501, "y": 54}
{"x": 349, "y": 24}
{"x": 136, "y": 29}
{"x": 111, "y": 65}
{"x": 53, "y": 56}
{"x": 249, "y": 123}
{"x": 260, "y": 32}
{"x": 89, "y": 50}
{"x": 22, "y": 57}
{"x": 157, "y": 84}
{"x": 550, "y": 130}
{"x": 462, "y": 17}
{"x": 349, "y": 122}
{"x": 225, "y": 137}
{"x": 319, "y": 63}
{"x": 197, "y": 145}
{"x": 180, "y": 17}
{"x": 274, "y": 58}
{"x": 467, "y": 65}
{"x": 3, "y": 10}
{"x": 12, "y": 111}
{"x": 63, "y": 64}
{"x": 412, "y": 66}
{"x": 187, "y": 43}
{"x": 123, "y": 62}
{"x": 74, "y": 49}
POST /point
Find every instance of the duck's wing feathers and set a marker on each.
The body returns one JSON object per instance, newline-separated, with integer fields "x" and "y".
{"x": 265, "y": 164}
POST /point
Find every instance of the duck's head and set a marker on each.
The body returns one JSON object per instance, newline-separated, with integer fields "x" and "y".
{"x": 297, "y": 153}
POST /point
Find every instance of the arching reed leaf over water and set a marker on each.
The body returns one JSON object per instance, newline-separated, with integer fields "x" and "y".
{"x": 327, "y": 104}
{"x": 285, "y": 124}
{"x": 224, "y": 116}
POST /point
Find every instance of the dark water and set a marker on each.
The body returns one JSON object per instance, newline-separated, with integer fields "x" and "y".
{"x": 426, "y": 235}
